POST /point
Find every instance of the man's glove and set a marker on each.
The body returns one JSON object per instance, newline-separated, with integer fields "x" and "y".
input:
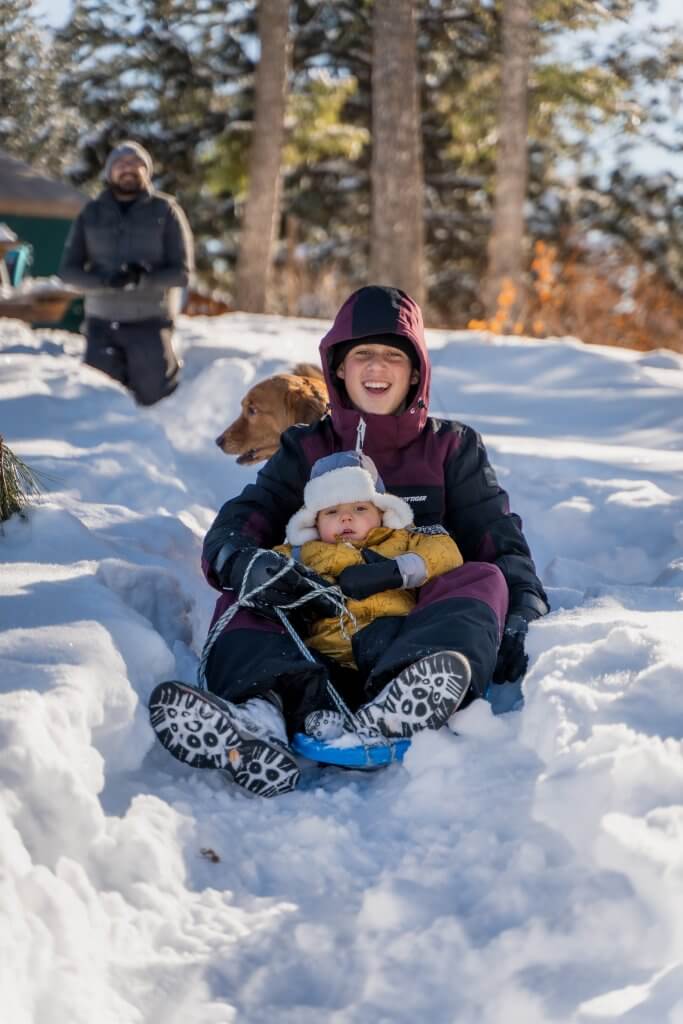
{"x": 128, "y": 275}
{"x": 377, "y": 574}
{"x": 512, "y": 658}
{"x": 272, "y": 593}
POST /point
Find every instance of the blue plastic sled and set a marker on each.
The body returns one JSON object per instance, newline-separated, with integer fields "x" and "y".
{"x": 503, "y": 698}
{"x": 374, "y": 755}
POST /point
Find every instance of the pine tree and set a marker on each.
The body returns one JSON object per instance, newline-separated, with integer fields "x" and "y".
{"x": 171, "y": 74}
{"x": 18, "y": 484}
{"x": 179, "y": 76}
{"x": 33, "y": 124}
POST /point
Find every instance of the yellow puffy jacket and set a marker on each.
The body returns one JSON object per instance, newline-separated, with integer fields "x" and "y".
{"x": 439, "y": 552}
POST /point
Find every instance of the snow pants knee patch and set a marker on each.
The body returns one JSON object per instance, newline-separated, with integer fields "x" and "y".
{"x": 463, "y": 611}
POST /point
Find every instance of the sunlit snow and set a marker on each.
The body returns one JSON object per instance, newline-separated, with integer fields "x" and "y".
{"x": 529, "y": 869}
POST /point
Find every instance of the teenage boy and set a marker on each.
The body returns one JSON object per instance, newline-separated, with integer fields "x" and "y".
{"x": 467, "y": 623}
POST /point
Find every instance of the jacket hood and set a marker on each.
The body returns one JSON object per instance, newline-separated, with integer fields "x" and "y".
{"x": 377, "y": 310}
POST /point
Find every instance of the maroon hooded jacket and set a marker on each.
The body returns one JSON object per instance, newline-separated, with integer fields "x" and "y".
{"x": 440, "y": 467}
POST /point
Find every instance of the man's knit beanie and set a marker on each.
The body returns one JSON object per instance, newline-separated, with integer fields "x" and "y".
{"x": 128, "y": 148}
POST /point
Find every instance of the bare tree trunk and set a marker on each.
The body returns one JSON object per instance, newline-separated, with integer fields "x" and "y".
{"x": 396, "y": 246}
{"x": 261, "y": 211}
{"x": 506, "y": 249}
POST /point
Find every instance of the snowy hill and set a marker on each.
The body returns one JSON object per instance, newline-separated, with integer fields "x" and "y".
{"x": 528, "y": 870}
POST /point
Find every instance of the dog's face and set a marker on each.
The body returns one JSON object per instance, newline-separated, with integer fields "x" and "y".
{"x": 269, "y": 408}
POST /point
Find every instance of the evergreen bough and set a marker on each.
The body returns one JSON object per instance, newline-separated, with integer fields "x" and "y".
{"x": 18, "y": 485}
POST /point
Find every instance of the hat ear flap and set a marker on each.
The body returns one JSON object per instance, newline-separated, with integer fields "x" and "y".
{"x": 301, "y": 527}
{"x": 396, "y": 513}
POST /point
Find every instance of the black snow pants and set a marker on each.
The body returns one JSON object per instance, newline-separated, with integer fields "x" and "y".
{"x": 139, "y": 354}
{"x": 463, "y": 610}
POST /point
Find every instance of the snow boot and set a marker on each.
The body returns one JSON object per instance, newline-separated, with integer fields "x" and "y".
{"x": 325, "y": 725}
{"x": 248, "y": 740}
{"x": 422, "y": 696}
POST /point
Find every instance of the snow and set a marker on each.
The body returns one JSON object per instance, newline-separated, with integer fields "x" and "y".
{"x": 37, "y": 288}
{"x": 528, "y": 869}
{"x": 43, "y": 285}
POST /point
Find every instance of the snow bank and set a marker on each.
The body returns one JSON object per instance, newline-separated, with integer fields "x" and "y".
{"x": 528, "y": 868}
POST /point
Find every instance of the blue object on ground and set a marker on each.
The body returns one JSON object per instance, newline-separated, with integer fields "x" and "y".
{"x": 502, "y": 698}
{"x": 373, "y": 755}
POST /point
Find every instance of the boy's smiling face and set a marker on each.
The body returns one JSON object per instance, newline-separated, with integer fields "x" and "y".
{"x": 377, "y": 378}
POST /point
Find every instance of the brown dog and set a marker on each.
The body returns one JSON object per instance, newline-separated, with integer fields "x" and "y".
{"x": 271, "y": 406}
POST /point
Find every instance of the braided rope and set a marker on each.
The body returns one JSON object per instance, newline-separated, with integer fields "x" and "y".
{"x": 337, "y": 699}
{"x": 245, "y": 599}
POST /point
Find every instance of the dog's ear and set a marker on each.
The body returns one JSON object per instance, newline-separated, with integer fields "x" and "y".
{"x": 302, "y": 407}
{"x": 309, "y": 370}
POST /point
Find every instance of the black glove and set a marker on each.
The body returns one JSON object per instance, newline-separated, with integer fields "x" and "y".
{"x": 378, "y": 574}
{"x": 290, "y": 587}
{"x": 128, "y": 275}
{"x": 512, "y": 658}
{"x": 325, "y": 605}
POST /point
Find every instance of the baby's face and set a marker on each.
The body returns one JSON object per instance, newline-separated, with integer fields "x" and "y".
{"x": 351, "y": 521}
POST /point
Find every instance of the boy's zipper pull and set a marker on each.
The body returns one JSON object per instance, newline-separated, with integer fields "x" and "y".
{"x": 360, "y": 434}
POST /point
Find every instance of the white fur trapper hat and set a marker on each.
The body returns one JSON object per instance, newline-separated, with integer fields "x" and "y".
{"x": 340, "y": 478}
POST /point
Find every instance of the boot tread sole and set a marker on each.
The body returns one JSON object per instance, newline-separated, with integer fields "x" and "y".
{"x": 423, "y": 695}
{"x": 256, "y": 765}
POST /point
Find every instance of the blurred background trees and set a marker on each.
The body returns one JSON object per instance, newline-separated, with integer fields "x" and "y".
{"x": 33, "y": 123}
{"x": 506, "y": 250}
{"x": 597, "y": 243}
{"x": 259, "y": 228}
{"x": 397, "y": 202}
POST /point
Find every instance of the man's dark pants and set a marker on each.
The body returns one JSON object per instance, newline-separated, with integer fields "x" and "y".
{"x": 139, "y": 354}
{"x": 463, "y": 610}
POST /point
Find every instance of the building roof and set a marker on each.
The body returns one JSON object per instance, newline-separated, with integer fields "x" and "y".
{"x": 28, "y": 193}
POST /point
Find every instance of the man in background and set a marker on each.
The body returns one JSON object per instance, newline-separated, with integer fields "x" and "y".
{"x": 130, "y": 251}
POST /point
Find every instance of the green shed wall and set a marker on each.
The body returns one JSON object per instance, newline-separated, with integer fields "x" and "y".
{"x": 47, "y": 235}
